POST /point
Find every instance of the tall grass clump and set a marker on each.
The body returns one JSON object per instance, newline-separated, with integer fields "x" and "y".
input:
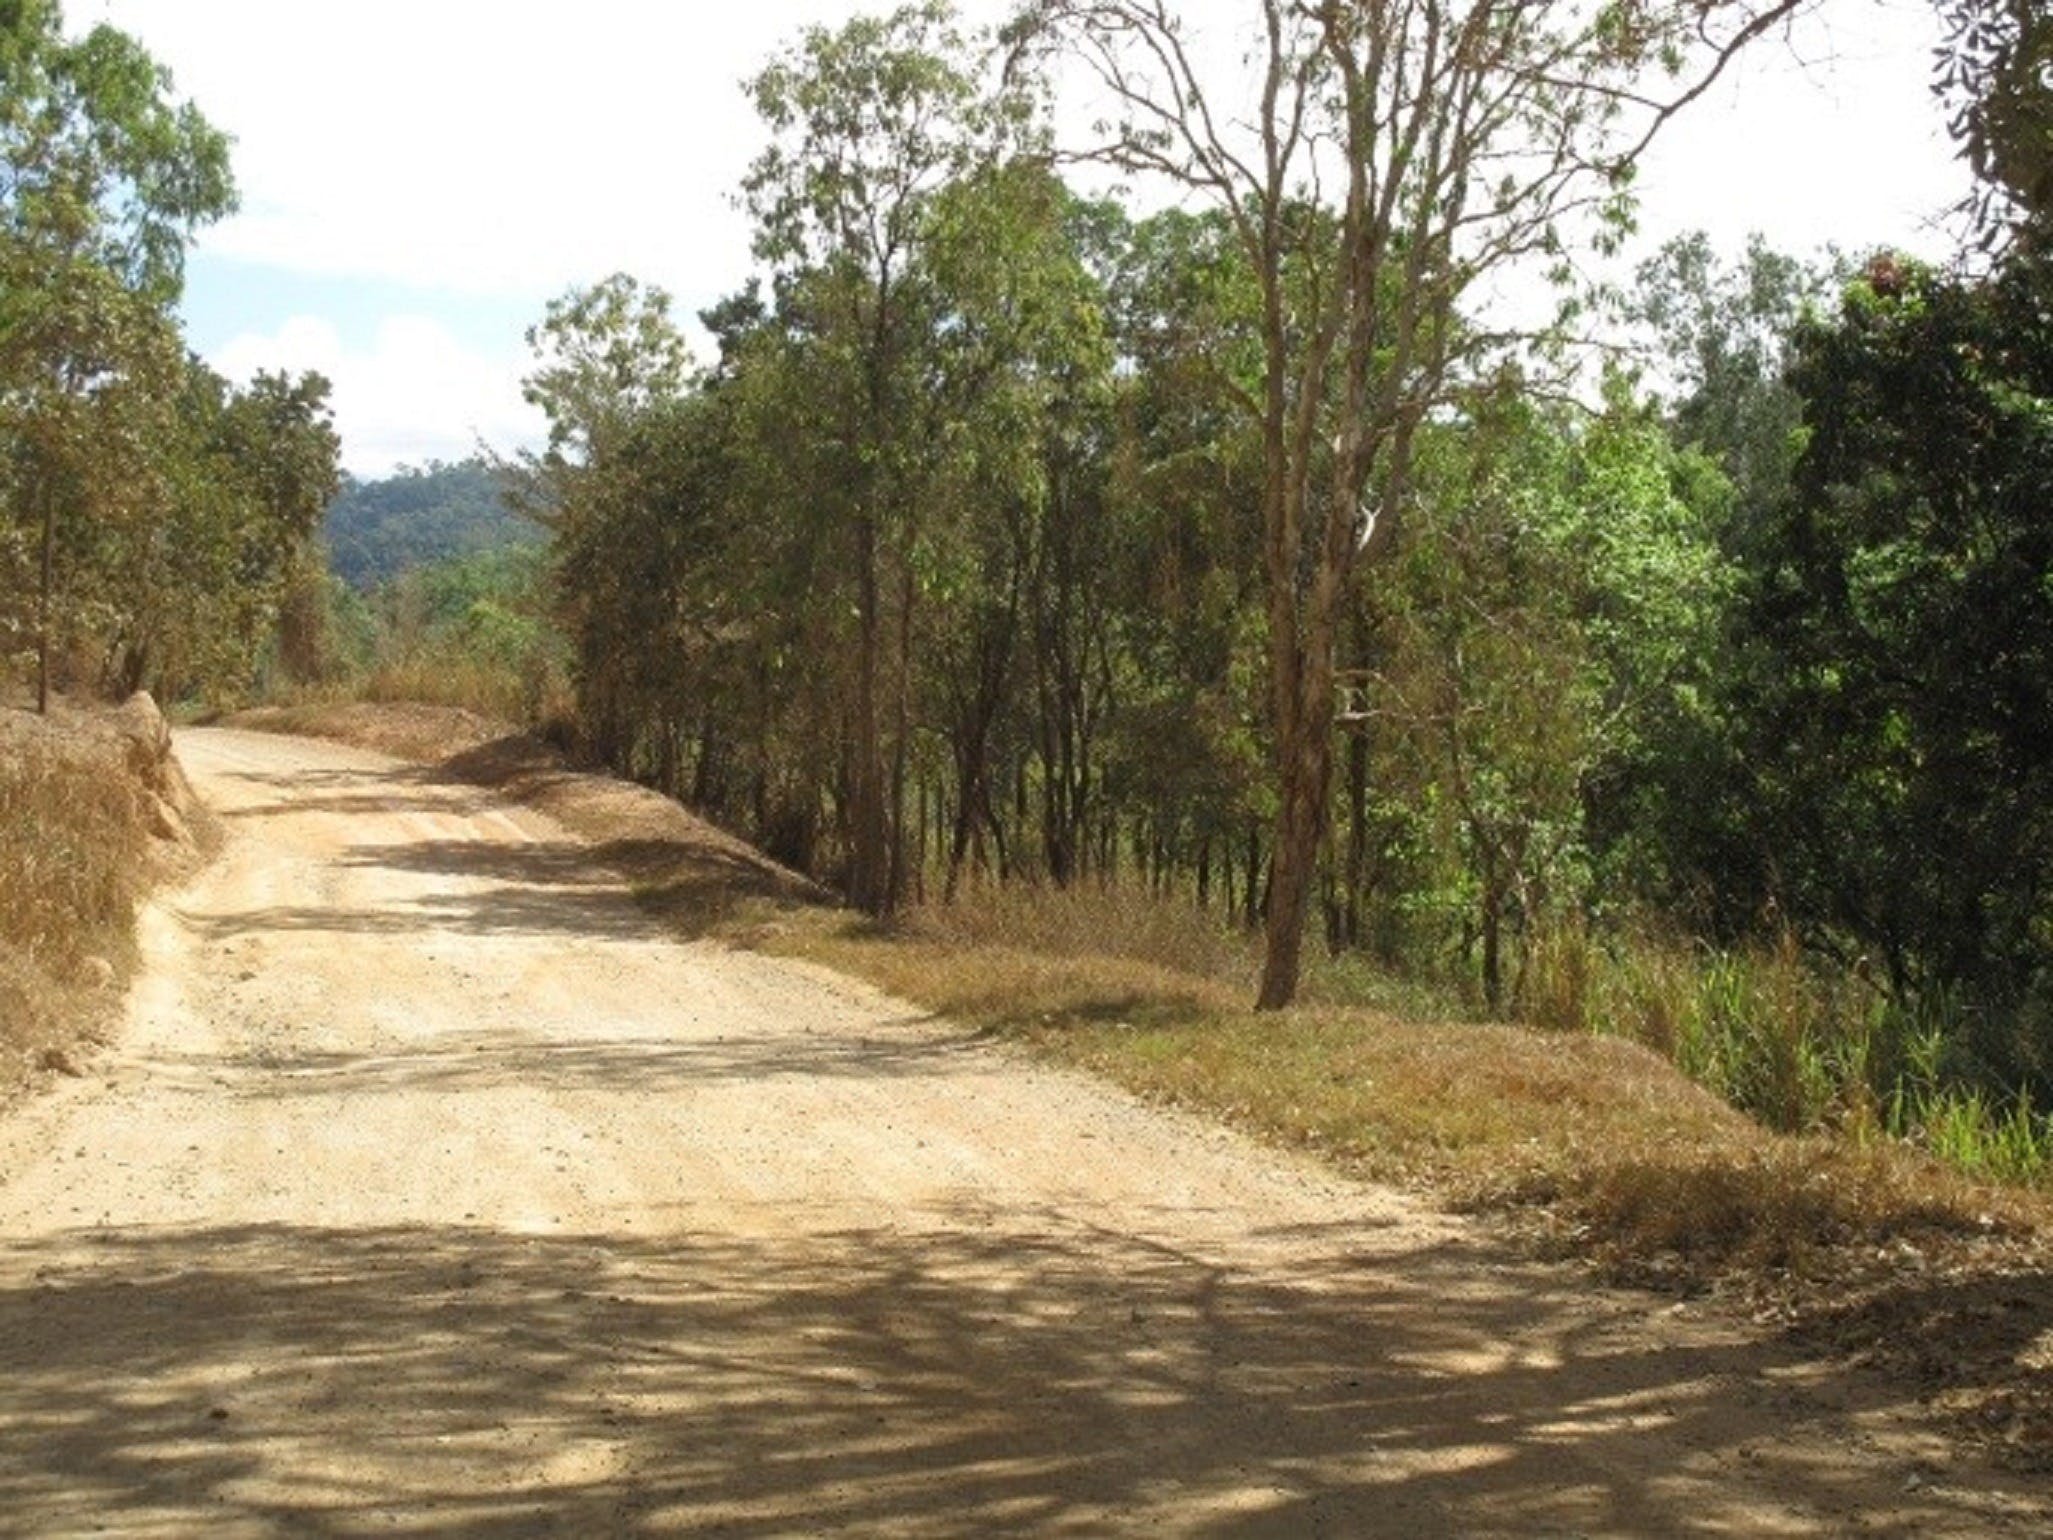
{"x": 1799, "y": 1046}
{"x": 1093, "y": 920}
{"x": 73, "y": 866}
{"x": 490, "y": 686}
{"x": 72, "y": 842}
{"x": 1939, "y": 1099}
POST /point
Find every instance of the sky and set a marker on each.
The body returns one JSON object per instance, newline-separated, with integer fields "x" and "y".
{"x": 419, "y": 179}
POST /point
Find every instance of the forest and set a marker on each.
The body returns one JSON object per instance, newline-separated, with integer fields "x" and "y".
{"x": 378, "y": 529}
{"x": 1693, "y": 686}
{"x": 1168, "y": 515}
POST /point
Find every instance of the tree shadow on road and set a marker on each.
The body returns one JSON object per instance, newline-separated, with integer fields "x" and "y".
{"x": 690, "y": 884}
{"x": 489, "y": 1060}
{"x": 944, "y": 1378}
{"x": 539, "y": 888}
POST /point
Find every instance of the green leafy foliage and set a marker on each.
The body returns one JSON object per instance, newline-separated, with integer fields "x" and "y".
{"x": 1995, "y": 77}
{"x": 1896, "y": 712}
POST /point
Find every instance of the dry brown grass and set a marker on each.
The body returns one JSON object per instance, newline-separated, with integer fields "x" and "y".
{"x": 435, "y": 679}
{"x": 1602, "y": 1142}
{"x": 76, "y": 855}
{"x": 418, "y": 731}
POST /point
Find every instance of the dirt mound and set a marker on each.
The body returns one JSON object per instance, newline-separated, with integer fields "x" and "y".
{"x": 179, "y": 827}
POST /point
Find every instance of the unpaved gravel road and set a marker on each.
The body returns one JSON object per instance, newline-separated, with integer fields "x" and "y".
{"x": 432, "y": 1190}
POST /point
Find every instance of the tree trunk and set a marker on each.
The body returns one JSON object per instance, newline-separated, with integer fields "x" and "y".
{"x": 1294, "y": 861}
{"x": 1356, "y": 876}
{"x": 1493, "y": 940}
{"x": 974, "y": 716}
{"x": 966, "y": 825}
{"x": 1302, "y": 672}
{"x": 1251, "y": 910}
{"x": 869, "y": 869}
{"x": 45, "y": 602}
{"x": 898, "y": 882}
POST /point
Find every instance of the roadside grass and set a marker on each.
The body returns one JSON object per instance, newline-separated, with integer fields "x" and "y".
{"x": 74, "y": 864}
{"x": 452, "y": 677}
{"x": 1597, "y": 1142}
{"x": 1800, "y": 1048}
{"x": 433, "y": 678}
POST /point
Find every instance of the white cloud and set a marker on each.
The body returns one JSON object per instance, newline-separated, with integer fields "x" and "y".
{"x": 414, "y": 395}
{"x": 480, "y": 147}
{"x": 513, "y": 149}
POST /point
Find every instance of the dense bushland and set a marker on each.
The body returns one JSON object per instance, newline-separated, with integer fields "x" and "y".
{"x": 1710, "y": 714}
{"x": 472, "y": 631}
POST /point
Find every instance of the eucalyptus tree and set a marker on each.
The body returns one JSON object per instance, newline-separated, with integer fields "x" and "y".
{"x": 603, "y": 355}
{"x": 1378, "y": 163}
{"x": 873, "y": 125}
{"x": 608, "y": 360}
{"x": 1023, "y": 370}
{"x": 1718, "y": 335}
{"x": 1184, "y": 576}
{"x": 280, "y": 435}
{"x": 225, "y": 493}
{"x": 91, "y": 376}
{"x": 98, "y": 160}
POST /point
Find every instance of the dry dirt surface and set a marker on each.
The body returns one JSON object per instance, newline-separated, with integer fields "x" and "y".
{"x": 432, "y": 1188}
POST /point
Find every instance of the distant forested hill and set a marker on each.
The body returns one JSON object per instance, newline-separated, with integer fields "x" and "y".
{"x": 378, "y": 529}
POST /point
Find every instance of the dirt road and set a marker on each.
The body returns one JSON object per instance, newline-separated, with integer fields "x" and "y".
{"x": 432, "y": 1190}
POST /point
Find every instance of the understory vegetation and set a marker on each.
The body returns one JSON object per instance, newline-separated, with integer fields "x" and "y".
{"x": 471, "y": 631}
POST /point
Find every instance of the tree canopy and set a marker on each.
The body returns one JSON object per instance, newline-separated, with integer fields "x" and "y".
{"x": 152, "y": 510}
